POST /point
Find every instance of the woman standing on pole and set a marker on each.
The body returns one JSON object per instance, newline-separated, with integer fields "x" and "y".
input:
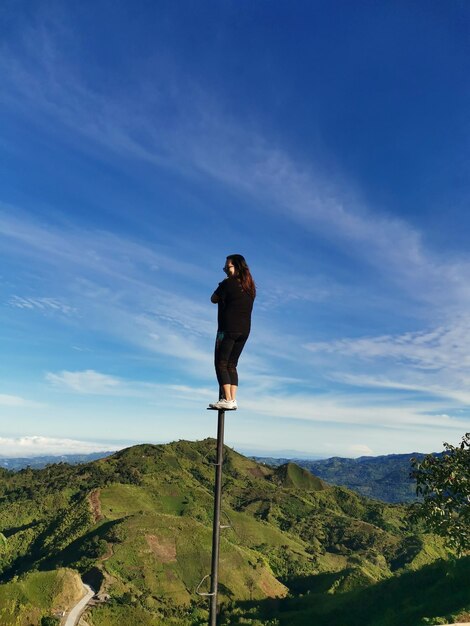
{"x": 234, "y": 296}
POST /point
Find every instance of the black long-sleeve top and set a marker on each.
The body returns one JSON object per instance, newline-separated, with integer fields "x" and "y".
{"x": 234, "y": 307}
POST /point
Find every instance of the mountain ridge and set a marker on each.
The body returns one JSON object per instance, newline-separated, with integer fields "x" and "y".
{"x": 385, "y": 477}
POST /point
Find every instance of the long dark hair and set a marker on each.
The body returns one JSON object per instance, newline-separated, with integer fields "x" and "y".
{"x": 242, "y": 272}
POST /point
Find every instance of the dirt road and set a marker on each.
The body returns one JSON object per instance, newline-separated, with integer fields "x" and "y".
{"x": 74, "y": 615}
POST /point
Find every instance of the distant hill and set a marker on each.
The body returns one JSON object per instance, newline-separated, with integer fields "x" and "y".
{"x": 385, "y": 478}
{"x": 137, "y": 526}
{"x": 38, "y": 462}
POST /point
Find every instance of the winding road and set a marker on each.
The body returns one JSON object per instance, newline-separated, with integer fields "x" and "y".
{"x": 77, "y": 610}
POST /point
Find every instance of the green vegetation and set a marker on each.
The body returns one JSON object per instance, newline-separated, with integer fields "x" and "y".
{"x": 444, "y": 483}
{"x": 30, "y": 599}
{"x": 436, "y": 594}
{"x": 291, "y": 475}
{"x": 137, "y": 525}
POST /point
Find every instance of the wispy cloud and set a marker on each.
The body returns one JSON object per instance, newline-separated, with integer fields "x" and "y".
{"x": 354, "y": 410}
{"x": 428, "y": 349}
{"x": 17, "y": 401}
{"x": 295, "y": 289}
{"x": 192, "y": 392}
{"x": 125, "y": 288}
{"x": 260, "y": 400}
{"x": 37, "y": 445}
{"x": 434, "y": 362}
{"x": 87, "y": 381}
{"x": 200, "y": 139}
{"x": 41, "y": 304}
{"x": 112, "y": 282}
{"x": 125, "y": 301}
{"x": 98, "y": 383}
{"x": 90, "y": 249}
{"x": 461, "y": 396}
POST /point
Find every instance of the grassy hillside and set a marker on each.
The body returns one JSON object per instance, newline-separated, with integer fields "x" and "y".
{"x": 137, "y": 525}
{"x": 37, "y": 595}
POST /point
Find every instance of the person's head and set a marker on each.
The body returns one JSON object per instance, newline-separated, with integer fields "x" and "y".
{"x": 229, "y": 267}
{"x": 235, "y": 265}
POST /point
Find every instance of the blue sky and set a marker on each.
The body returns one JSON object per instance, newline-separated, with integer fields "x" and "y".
{"x": 142, "y": 142}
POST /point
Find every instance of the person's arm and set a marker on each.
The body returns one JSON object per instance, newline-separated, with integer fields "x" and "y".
{"x": 219, "y": 293}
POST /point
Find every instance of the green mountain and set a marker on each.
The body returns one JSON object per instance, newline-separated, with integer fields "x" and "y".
{"x": 137, "y": 526}
{"x": 384, "y": 477}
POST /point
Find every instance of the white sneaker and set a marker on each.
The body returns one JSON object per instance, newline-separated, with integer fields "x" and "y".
{"x": 226, "y": 405}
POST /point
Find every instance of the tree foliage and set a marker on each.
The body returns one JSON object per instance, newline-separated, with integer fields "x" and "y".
{"x": 50, "y": 620}
{"x": 444, "y": 484}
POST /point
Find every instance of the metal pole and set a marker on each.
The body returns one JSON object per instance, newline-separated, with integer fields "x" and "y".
{"x": 216, "y": 522}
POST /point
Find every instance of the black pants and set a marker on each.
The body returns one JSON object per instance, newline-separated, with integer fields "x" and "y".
{"x": 228, "y": 347}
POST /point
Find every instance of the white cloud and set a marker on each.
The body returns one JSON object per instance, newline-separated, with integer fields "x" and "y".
{"x": 16, "y": 401}
{"x": 38, "y": 446}
{"x": 359, "y": 449}
{"x": 87, "y": 381}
